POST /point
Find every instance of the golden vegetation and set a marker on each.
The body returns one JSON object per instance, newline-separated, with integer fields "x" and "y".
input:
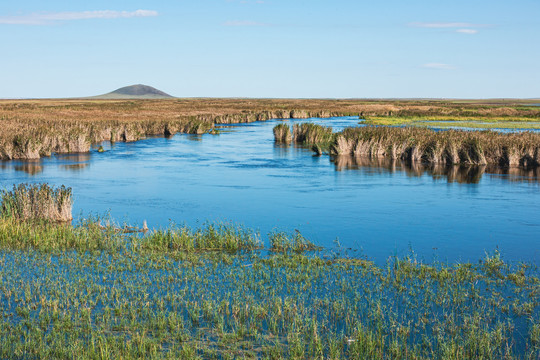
{"x": 35, "y": 128}
{"x": 449, "y": 147}
{"x": 36, "y": 202}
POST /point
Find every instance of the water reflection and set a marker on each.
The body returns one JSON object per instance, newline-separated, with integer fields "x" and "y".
{"x": 31, "y": 168}
{"x": 69, "y": 162}
{"x": 79, "y": 157}
{"x": 74, "y": 167}
{"x": 466, "y": 174}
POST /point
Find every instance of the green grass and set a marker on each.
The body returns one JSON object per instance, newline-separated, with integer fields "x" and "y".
{"x": 93, "y": 292}
{"x": 284, "y": 243}
{"x": 514, "y": 123}
{"x": 211, "y": 237}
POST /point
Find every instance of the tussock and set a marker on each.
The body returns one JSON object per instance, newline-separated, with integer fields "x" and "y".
{"x": 450, "y": 147}
{"x": 37, "y": 202}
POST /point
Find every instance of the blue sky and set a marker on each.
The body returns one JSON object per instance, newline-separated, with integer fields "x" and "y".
{"x": 272, "y": 48}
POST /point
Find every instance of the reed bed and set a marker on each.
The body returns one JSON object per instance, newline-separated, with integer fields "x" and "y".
{"x": 37, "y": 202}
{"x": 36, "y": 128}
{"x": 450, "y": 147}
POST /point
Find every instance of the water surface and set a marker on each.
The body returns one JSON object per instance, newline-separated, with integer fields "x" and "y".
{"x": 380, "y": 209}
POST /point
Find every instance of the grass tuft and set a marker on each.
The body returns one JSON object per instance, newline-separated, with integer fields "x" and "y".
{"x": 37, "y": 202}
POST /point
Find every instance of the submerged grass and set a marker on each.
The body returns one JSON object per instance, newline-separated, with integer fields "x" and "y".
{"x": 214, "y": 305}
{"x": 90, "y": 291}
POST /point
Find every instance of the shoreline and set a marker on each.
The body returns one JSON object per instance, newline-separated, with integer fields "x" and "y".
{"x": 38, "y": 128}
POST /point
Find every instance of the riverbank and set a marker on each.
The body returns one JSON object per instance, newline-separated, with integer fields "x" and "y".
{"x": 36, "y": 128}
{"x": 473, "y": 121}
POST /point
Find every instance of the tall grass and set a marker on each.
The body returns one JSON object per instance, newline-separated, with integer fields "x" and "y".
{"x": 211, "y": 237}
{"x": 37, "y": 202}
{"x": 441, "y": 147}
{"x": 308, "y": 134}
{"x": 282, "y": 133}
{"x": 35, "y": 128}
{"x": 448, "y": 147}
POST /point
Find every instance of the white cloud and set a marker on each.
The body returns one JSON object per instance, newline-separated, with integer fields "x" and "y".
{"x": 445, "y": 25}
{"x": 439, "y": 66}
{"x": 47, "y": 18}
{"x": 467, "y": 31}
{"x": 462, "y": 28}
{"x": 243, "y": 23}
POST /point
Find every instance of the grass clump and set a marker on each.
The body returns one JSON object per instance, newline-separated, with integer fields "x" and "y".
{"x": 44, "y": 235}
{"x": 37, "y": 202}
{"x": 211, "y": 237}
{"x": 282, "y": 133}
{"x": 284, "y": 243}
{"x": 318, "y": 137}
{"x": 421, "y": 145}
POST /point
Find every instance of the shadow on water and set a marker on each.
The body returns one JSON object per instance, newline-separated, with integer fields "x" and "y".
{"x": 462, "y": 174}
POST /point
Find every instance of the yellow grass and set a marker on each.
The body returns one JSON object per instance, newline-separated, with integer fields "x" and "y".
{"x": 35, "y": 128}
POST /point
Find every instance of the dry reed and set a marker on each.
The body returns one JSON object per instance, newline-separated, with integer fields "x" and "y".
{"x": 37, "y": 202}
{"x": 35, "y": 128}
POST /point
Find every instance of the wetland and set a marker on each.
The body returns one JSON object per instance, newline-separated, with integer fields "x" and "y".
{"x": 253, "y": 248}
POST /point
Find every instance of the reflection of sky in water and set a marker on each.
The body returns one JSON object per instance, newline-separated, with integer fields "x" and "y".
{"x": 242, "y": 176}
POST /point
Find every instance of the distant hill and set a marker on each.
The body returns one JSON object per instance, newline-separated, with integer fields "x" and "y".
{"x": 135, "y": 92}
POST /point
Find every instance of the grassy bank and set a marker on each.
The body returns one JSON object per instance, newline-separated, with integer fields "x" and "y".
{"x": 473, "y": 122}
{"x": 449, "y": 147}
{"x": 35, "y": 128}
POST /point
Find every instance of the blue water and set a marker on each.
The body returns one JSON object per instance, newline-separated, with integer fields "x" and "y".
{"x": 243, "y": 177}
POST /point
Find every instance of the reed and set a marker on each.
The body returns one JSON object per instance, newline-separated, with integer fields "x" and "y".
{"x": 37, "y": 202}
{"x": 36, "y": 128}
{"x": 306, "y": 134}
{"x": 282, "y": 133}
{"x": 450, "y": 147}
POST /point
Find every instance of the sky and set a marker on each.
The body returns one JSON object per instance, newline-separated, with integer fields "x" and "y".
{"x": 272, "y": 48}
